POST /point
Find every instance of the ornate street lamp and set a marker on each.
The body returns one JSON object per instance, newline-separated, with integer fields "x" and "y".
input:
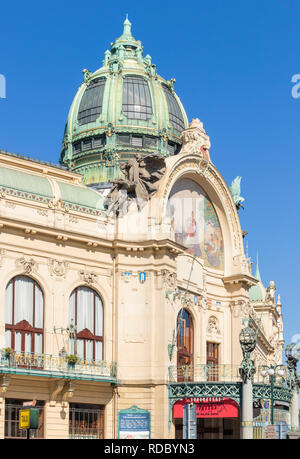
{"x": 272, "y": 371}
{"x": 247, "y": 369}
{"x": 248, "y": 343}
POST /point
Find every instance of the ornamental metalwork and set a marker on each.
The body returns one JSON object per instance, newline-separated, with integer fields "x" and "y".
{"x": 248, "y": 344}
{"x": 263, "y": 392}
{"x": 292, "y": 356}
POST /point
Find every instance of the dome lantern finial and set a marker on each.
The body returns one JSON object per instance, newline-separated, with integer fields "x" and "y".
{"x": 127, "y": 27}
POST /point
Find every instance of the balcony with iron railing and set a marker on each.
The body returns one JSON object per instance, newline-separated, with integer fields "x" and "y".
{"x": 53, "y": 366}
{"x": 222, "y": 373}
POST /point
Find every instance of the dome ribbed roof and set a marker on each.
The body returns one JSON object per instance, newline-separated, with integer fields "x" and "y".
{"x": 123, "y": 108}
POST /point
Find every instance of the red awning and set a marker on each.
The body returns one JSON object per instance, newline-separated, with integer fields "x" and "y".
{"x": 212, "y": 407}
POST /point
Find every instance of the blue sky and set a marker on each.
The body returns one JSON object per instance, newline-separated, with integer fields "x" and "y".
{"x": 233, "y": 62}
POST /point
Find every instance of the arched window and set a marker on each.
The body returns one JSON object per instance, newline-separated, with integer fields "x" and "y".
{"x": 91, "y": 103}
{"x": 24, "y": 315}
{"x": 86, "y": 313}
{"x": 136, "y": 103}
{"x": 175, "y": 114}
{"x": 185, "y": 345}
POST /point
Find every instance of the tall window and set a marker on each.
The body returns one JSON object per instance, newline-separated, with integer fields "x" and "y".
{"x": 212, "y": 359}
{"x": 86, "y": 312}
{"x": 185, "y": 345}
{"x": 91, "y": 103}
{"x": 175, "y": 114}
{"x": 24, "y": 311}
{"x": 136, "y": 98}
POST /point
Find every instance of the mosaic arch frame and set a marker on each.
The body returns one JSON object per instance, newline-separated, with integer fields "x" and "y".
{"x": 194, "y": 222}
{"x": 208, "y": 177}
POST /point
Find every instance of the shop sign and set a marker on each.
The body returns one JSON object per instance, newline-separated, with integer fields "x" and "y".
{"x": 209, "y": 407}
{"x": 24, "y": 419}
{"x": 134, "y": 423}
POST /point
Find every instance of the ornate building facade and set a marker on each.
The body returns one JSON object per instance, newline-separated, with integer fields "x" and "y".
{"x": 124, "y": 280}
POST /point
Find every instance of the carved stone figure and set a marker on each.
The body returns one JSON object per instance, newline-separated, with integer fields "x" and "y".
{"x": 142, "y": 175}
{"x": 195, "y": 140}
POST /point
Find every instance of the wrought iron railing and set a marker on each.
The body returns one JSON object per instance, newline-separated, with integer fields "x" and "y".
{"x": 202, "y": 373}
{"x": 51, "y": 365}
{"x": 217, "y": 373}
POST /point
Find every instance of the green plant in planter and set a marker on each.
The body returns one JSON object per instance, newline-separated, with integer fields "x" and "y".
{"x": 8, "y": 351}
{"x": 72, "y": 359}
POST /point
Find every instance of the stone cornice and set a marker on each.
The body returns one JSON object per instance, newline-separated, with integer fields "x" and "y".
{"x": 115, "y": 245}
{"x": 30, "y": 165}
{"x": 240, "y": 279}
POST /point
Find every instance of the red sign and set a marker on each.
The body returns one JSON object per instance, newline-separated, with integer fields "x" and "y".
{"x": 211, "y": 407}
{"x": 32, "y": 403}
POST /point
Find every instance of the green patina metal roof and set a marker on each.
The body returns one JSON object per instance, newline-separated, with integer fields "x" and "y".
{"x": 25, "y": 185}
{"x": 35, "y": 187}
{"x": 79, "y": 198}
{"x": 121, "y": 109}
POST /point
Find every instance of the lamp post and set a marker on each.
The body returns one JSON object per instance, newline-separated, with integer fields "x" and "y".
{"x": 292, "y": 356}
{"x": 272, "y": 371}
{"x": 247, "y": 370}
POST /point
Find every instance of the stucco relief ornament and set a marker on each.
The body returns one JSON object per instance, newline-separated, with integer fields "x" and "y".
{"x": 142, "y": 175}
{"x": 58, "y": 268}
{"x": 28, "y": 264}
{"x": 88, "y": 277}
{"x": 195, "y": 140}
{"x": 213, "y": 326}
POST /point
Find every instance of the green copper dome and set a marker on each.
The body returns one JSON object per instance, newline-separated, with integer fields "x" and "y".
{"x": 122, "y": 109}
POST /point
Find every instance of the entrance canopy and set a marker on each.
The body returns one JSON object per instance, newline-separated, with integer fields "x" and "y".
{"x": 209, "y": 407}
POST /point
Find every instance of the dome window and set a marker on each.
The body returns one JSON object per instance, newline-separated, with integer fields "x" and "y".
{"x": 89, "y": 144}
{"x": 136, "y": 98}
{"x": 91, "y": 103}
{"x": 136, "y": 141}
{"x": 173, "y": 148}
{"x": 175, "y": 114}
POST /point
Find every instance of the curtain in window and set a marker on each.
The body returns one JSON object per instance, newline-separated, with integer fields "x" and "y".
{"x": 18, "y": 341}
{"x": 99, "y": 317}
{"x": 27, "y": 342}
{"x": 8, "y": 338}
{"x": 85, "y": 309}
{"x": 38, "y": 343}
{"x": 89, "y": 350}
{"x": 80, "y": 348}
{"x": 23, "y": 299}
{"x": 39, "y": 307}
{"x": 8, "y": 303}
{"x": 98, "y": 350}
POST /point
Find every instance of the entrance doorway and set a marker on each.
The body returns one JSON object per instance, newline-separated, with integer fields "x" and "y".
{"x": 217, "y": 417}
{"x": 212, "y": 429}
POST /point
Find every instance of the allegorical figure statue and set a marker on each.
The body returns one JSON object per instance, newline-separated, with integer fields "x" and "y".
{"x": 141, "y": 181}
{"x": 235, "y": 189}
